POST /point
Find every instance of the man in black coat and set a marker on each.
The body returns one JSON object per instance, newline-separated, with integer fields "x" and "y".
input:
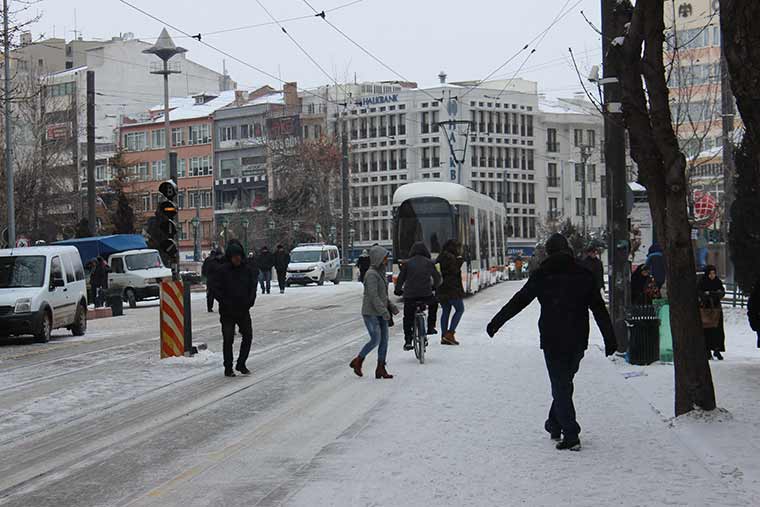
{"x": 593, "y": 263}
{"x": 234, "y": 286}
{"x": 281, "y": 262}
{"x": 265, "y": 261}
{"x": 417, "y": 281}
{"x": 566, "y": 291}
{"x": 209, "y": 269}
{"x": 753, "y": 310}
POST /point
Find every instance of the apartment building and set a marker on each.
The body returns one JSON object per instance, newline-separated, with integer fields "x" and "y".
{"x": 192, "y": 136}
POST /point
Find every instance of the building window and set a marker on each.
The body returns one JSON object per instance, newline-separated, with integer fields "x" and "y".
{"x": 178, "y": 137}
{"x": 592, "y": 173}
{"x": 135, "y": 141}
{"x": 591, "y": 138}
{"x": 552, "y": 146}
{"x": 158, "y": 170}
{"x": 592, "y": 207}
{"x": 530, "y": 128}
{"x": 578, "y": 137}
{"x": 158, "y": 139}
{"x": 200, "y": 134}
{"x": 578, "y": 172}
{"x": 200, "y": 166}
{"x": 553, "y": 209}
{"x": 578, "y": 207}
{"x": 228, "y": 133}
{"x": 61, "y": 89}
{"x": 140, "y": 171}
{"x": 146, "y": 202}
{"x": 603, "y": 184}
{"x": 552, "y": 178}
{"x": 181, "y": 168}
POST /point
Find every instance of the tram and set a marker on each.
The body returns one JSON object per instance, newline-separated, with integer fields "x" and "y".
{"x": 435, "y": 212}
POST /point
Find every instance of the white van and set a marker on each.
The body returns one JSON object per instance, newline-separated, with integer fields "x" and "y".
{"x": 138, "y": 273}
{"x": 41, "y": 289}
{"x": 314, "y": 263}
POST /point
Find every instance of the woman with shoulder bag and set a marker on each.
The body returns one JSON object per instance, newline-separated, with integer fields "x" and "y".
{"x": 377, "y": 311}
{"x": 711, "y": 291}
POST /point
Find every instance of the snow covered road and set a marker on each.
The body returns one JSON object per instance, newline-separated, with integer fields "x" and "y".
{"x": 107, "y": 423}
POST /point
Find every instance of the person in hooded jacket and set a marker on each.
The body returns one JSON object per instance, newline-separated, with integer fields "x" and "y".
{"x": 451, "y": 291}
{"x": 566, "y": 291}
{"x": 265, "y": 261}
{"x": 99, "y": 280}
{"x": 210, "y": 267}
{"x": 417, "y": 281}
{"x": 281, "y": 262}
{"x": 593, "y": 263}
{"x": 656, "y": 263}
{"x": 643, "y": 287}
{"x": 363, "y": 263}
{"x": 711, "y": 291}
{"x": 377, "y": 312}
{"x": 234, "y": 286}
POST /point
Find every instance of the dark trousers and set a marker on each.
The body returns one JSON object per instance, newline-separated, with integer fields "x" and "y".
{"x": 562, "y": 367}
{"x": 282, "y": 275}
{"x": 410, "y": 309}
{"x": 209, "y": 299}
{"x": 265, "y": 280}
{"x": 243, "y": 322}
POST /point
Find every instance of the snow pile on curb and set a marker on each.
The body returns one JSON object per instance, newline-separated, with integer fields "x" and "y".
{"x": 717, "y": 416}
{"x": 202, "y": 358}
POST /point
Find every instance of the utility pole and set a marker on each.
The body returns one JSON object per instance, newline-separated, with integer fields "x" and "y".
{"x": 728, "y": 113}
{"x": 617, "y": 181}
{"x": 8, "y": 126}
{"x": 91, "y": 216}
{"x": 344, "y": 176}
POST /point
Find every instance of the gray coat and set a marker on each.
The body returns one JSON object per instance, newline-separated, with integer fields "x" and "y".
{"x": 375, "y": 301}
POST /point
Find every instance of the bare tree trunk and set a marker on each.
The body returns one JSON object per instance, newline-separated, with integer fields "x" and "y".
{"x": 741, "y": 47}
{"x": 662, "y": 170}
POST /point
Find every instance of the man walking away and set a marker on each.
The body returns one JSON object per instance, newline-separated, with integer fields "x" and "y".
{"x": 281, "y": 262}
{"x": 593, "y": 263}
{"x": 566, "y": 292}
{"x": 266, "y": 263}
{"x": 363, "y": 263}
{"x": 210, "y": 267}
{"x": 234, "y": 286}
{"x": 416, "y": 282}
{"x": 753, "y": 310}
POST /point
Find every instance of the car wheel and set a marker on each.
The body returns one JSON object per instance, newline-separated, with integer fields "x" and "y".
{"x": 321, "y": 281}
{"x": 80, "y": 322}
{"x": 336, "y": 281}
{"x": 131, "y": 298}
{"x": 43, "y": 334}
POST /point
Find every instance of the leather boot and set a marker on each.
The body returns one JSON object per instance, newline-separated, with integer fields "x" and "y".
{"x": 454, "y": 338}
{"x": 356, "y": 364}
{"x": 381, "y": 372}
{"x": 448, "y": 339}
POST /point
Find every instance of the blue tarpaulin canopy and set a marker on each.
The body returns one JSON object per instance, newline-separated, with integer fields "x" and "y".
{"x": 90, "y": 248}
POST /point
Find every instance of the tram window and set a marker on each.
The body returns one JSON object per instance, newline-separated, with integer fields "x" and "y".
{"x": 483, "y": 231}
{"x": 499, "y": 240}
{"x": 492, "y": 240}
{"x": 428, "y": 220}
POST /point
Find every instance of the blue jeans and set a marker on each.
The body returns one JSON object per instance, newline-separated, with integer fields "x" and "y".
{"x": 265, "y": 279}
{"x": 378, "y": 337}
{"x": 458, "y": 306}
{"x": 562, "y": 368}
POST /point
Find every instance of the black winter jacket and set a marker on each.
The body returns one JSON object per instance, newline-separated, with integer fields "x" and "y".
{"x": 265, "y": 260}
{"x": 281, "y": 260}
{"x": 235, "y": 287}
{"x": 418, "y": 277}
{"x": 594, "y": 264}
{"x": 451, "y": 269}
{"x": 566, "y": 291}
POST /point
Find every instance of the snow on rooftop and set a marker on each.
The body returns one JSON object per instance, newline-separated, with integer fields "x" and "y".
{"x": 187, "y": 108}
{"x": 566, "y": 106}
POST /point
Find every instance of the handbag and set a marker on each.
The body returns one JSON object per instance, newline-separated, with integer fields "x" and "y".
{"x": 710, "y": 317}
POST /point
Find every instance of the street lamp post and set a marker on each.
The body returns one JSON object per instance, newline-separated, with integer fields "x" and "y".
{"x": 318, "y": 232}
{"x": 196, "y": 239}
{"x": 165, "y": 49}
{"x": 246, "y": 225}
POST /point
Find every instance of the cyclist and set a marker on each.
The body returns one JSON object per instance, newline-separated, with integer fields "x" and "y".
{"x": 416, "y": 282}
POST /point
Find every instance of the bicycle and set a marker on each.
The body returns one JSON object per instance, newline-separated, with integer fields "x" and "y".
{"x": 420, "y": 332}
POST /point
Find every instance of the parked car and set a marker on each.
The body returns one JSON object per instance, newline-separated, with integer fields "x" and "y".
{"x": 314, "y": 263}
{"x": 41, "y": 289}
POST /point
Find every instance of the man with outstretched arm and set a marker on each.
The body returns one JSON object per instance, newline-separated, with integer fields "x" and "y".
{"x": 566, "y": 291}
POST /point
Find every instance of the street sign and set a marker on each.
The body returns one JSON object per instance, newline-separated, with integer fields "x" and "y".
{"x": 23, "y": 242}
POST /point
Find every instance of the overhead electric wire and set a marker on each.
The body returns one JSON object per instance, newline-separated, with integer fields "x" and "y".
{"x": 561, "y": 15}
{"x": 322, "y": 15}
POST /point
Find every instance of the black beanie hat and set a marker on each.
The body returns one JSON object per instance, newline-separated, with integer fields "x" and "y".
{"x": 557, "y": 243}
{"x": 234, "y": 249}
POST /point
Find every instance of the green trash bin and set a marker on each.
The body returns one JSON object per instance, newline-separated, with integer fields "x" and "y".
{"x": 666, "y": 337}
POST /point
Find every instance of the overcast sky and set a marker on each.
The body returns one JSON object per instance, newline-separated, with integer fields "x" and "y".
{"x": 416, "y": 38}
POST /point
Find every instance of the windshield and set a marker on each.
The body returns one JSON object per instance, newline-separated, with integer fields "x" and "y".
{"x": 306, "y": 256}
{"x": 20, "y": 272}
{"x": 428, "y": 219}
{"x": 144, "y": 261}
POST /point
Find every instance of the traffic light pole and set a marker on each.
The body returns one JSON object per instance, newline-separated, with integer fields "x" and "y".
{"x": 91, "y": 215}
{"x": 8, "y": 131}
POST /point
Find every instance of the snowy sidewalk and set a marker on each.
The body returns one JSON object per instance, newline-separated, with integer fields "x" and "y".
{"x": 467, "y": 429}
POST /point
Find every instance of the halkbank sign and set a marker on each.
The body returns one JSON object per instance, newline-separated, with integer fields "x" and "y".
{"x": 381, "y": 99}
